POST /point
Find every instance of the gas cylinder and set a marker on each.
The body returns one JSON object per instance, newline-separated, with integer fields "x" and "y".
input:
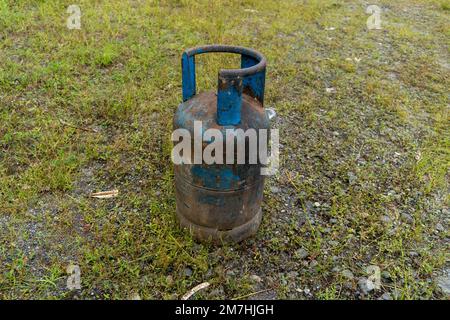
{"x": 221, "y": 202}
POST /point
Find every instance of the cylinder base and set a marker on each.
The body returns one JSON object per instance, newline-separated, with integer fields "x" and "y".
{"x": 216, "y": 236}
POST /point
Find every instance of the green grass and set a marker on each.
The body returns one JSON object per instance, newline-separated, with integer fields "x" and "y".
{"x": 91, "y": 110}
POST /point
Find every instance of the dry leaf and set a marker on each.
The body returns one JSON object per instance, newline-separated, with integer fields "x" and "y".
{"x": 194, "y": 290}
{"x": 105, "y": 194}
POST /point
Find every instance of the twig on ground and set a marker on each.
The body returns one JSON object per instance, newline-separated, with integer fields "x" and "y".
{"x": 194, "y": 290}
{"x": 105, "y": 194}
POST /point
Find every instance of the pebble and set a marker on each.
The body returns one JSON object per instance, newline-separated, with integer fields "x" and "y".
{"x": 217, "y": 293}
{"x": 187, "y": 272}
{"x": 386, "y": 275}
{"x": 407, "y": 217}
{"x": 301, "y": 253}
{"x": 443, "y": 283}
{"x": 230, "y": 273}
{"x": 135, "y": 296}
{"x": 336, "y": 269}
{"x": 365, "y": 285}
{"x": 347, "y": 274}
{"x": 313, "y": 263}
{"x": 386, "y": 296}
{"x": 440, "y": 227}
{"x": 351, "y": 177}
{"x": 256, "y": 278}
{"x": 413, "y": 254}
{"x": 274, "y": 189}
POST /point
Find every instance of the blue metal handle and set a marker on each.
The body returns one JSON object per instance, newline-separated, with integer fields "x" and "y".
{"x": 250, "y": 79}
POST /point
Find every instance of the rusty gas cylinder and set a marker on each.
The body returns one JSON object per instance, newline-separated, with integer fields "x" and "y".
{"x": 221, "y": 202}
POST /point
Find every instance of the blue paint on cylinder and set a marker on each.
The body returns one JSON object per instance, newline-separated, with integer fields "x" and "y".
{"x": 229, "y": 102}
{"x": 188, "y": 76}
{"x": 253, "y": 84}
{"x": 215, "y": 178}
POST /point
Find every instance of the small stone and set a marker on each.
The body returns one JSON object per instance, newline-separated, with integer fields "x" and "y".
{"x": 301, "y": 253}
{"x": 385, "y": 219}
{"x": 407, "y": 218}
{"x": 218, "y": 293}
{"x": 386, "y": 275}
{"x": 187, "y": 272}
{"x": 135, "y": 296}
{"x": 274, "y": 189}
{"x": 366, "y": 285}
{"x": 440, "y": 227}
{"x": 173, "y": 296}
{"x": 386, "y": 296}
{"x": 271, "y": 113}
{"x": 443, "y": 283}
{"x": 336, "y": 269}
{"x": 313, "y": 263}
{"x": 307, "y": 291}
{"x": 316, "y": 204}
{"x": 413, "y": 254}
{"x": 256, "y": 278}
{"x": 347, "y": 274}
{"x": 230, "y": 273}
{"x": 351, "y": 177}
